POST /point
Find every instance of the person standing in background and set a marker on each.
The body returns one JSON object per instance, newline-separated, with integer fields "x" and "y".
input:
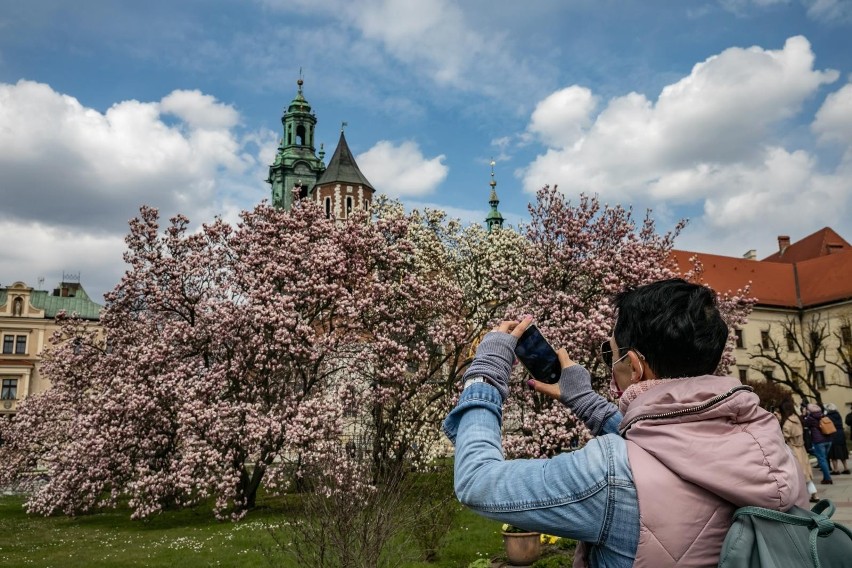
{"x": 849, "y": 420}
{"x": 838, "y": 453}
{"x": 791, "y": 426}
{"x": 821, "y": 442}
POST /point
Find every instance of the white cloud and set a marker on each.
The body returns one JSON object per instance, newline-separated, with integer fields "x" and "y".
{"x": 824, "y": 11}
{"x": 199, "y": 110}
{"x": 402, "y": 170}
{"x": 720, "y": 114}
{"x": 707, "y": 142}
{"x": 431, "y": 39}
{"x": 67, "y": 164}
{"x": 466, "y": 216}
{"x": 561, "y": 118}
{"x": 829, "y": 11}
{"x": 74, "y": 176}
{"x": 833, "y": 122}
{"x": 32, "y": 251}
{"x": 432, "y": 33}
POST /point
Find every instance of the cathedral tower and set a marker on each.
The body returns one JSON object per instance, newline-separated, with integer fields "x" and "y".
{"x": 296, "y": 168}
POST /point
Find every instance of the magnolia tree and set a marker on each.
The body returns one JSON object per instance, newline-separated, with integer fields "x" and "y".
{"x": 581, "y": 256}
{"x": 230, "y": 358}
{"x": 238, "y": 356}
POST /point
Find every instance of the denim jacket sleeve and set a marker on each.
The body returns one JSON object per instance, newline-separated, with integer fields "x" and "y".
{"x": 586, "y": 494}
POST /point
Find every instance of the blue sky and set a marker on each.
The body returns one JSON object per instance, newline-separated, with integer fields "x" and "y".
{"x": 734, "y": 113}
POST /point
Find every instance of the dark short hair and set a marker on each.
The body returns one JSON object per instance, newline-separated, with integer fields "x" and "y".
{"x": 674, "y": 324}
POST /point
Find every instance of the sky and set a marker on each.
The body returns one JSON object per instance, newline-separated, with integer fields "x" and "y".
{"x": 734, "y": 114}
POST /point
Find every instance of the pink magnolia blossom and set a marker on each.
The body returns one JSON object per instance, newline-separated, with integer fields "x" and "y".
{"x": 293, "y": 345}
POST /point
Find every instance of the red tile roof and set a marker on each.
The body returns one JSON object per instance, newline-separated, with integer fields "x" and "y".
{"x": 822, "y": 243}
{"x": 812, "y": 272}
{"x": 772, "y": 283}
{"x": 826, "y": 279}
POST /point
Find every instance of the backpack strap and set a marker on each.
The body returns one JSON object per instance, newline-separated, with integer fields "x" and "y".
{"x": 819, "y": 522}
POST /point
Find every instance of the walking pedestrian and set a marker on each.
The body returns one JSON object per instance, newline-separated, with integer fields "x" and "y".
{"x": 821, "y": 442}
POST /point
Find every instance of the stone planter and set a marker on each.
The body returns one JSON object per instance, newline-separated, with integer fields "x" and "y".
{"x": 522, "y": 549}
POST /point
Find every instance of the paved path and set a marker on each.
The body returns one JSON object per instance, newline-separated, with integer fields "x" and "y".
{"x": 840, "y": 492}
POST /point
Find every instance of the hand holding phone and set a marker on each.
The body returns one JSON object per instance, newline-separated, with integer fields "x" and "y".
{"x": 538, "y": 356}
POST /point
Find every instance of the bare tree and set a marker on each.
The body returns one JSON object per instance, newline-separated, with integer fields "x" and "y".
{"x": 798, "y": 349}
{"x": 843, "y": 350}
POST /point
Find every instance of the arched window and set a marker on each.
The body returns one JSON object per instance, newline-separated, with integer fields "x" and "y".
{"x": 348, "y": 206}
{"x": 328, "y": 207}
{"x": 300, "y": 135}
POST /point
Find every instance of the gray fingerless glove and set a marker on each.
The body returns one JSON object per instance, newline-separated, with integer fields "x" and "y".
{"x": 493, "y": 361}
{"x": 575, "y": 392}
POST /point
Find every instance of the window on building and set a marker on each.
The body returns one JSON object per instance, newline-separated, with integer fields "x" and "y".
{"x": 743, "y": 375}
{"x": 328, "y": 207}
{"x": 846, "y": 335}
{"x": 816, "y": 340}
{"x": 767, "y": 373}
{"x": 9, "y": 390}
{"x": 348, "y": 206}
{"x": 791, "y": 341}
{"x": 764, "y": 339}
{"x": 738, "y": 334}
{"x": 819, "y": 377}
{"x": 15, "y": 344}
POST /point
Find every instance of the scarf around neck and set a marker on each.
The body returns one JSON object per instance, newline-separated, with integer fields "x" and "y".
{"x": 635, "y": 390}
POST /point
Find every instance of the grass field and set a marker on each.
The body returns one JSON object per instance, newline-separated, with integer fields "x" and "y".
{"x": 190, "y": 539}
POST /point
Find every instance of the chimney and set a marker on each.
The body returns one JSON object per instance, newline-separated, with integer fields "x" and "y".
{"x": 750, "y": 255}
{"x": 783, "y": 243}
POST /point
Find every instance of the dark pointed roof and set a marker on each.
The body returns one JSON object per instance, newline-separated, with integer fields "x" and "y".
{"x": 342, "y": 167}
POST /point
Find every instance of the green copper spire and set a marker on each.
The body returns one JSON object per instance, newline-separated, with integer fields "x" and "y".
{"x": 494, "y": 218}
{"x": 296, "y": 167}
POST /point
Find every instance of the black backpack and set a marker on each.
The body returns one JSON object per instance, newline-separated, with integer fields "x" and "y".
{"x": 763, "y": 538}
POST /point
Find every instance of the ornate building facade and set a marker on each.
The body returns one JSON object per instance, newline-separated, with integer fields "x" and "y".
{"x": 27, "y": 322}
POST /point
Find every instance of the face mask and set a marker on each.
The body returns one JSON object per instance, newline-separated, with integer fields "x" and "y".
{"x": 614, "y": 391}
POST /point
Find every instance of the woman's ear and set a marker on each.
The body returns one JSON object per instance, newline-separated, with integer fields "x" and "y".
{"x": 639, "y": 370}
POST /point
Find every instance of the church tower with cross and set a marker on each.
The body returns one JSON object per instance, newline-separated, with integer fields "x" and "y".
{"x": 299, "y": 173}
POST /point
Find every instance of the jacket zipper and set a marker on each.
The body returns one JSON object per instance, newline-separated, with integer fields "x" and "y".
{"x": 691, "y": 410}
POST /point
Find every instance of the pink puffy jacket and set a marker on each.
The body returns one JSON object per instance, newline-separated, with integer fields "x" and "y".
{"x": 699, "y": 448}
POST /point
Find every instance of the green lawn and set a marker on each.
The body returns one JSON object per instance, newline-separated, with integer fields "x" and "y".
{"x": 188, "y": 539}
